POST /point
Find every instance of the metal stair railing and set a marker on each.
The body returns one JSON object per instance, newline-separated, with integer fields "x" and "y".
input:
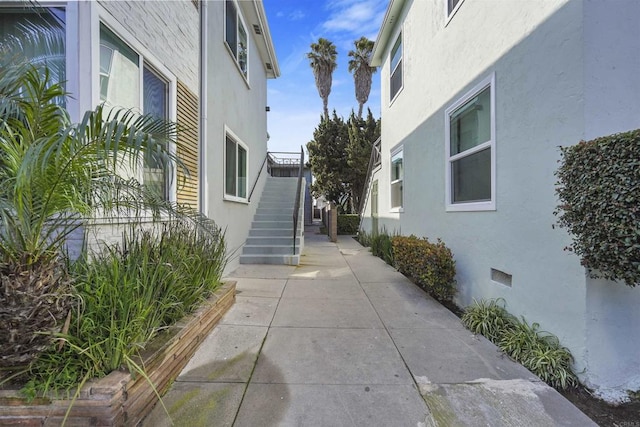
{"x": 374, "y": 160}
{"x": 266, "y": 157}
{"x": 296, "y": 206}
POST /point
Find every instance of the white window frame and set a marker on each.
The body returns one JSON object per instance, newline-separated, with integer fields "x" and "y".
{"x": 72, "y": 84}
{"x": 229, "y": 134}
{"x": 399, "y": 64}
{"x": 239, "y": 21}
{"x": 489, "y": 205}
{"x": 395, "y": 150}
{"x": 450, "y": 13}
{"x": 146, "y": 59}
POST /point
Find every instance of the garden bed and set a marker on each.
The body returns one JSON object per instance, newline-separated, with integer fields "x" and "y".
{"x": 121, "y": 398}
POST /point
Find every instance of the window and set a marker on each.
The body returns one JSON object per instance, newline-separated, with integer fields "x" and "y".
{"x": 235, "y": 170}
{"x": 377, "y": 153}
{"x": 397, "y": 177}
{"x": 453, "y": 6}
{"x": 396, "y": 68}
{"x": 128, "y": 81}
{"x": 37, "y": 36}
{"x": 470, "y": 150}
{"x": 236, "y": 35}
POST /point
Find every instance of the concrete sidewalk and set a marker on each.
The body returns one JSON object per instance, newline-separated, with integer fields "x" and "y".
{"x": 345, "y": 340}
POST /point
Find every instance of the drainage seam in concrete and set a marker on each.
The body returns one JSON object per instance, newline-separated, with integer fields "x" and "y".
{"x": 415, "y": 383}
{"x": 244, "y": 392}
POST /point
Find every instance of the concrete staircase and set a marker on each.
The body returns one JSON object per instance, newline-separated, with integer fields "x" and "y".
{"x": 270, "y": 239}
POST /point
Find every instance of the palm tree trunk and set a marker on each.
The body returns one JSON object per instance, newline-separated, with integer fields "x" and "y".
{"x": 325, "y": 106}
{"x": 360, "y": 105}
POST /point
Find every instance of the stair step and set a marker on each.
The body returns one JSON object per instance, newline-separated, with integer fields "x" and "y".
{"x": 273, "y": 224}
{"x": 270, "y": 259}
{"x": 270, "y": 250}
{"x": 273, "y": 217}
{"x": 272, "y": 240}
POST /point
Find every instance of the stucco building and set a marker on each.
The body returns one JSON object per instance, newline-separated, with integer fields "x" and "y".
{"x": 476, "y": 98}
{"x": 204, "y": 64}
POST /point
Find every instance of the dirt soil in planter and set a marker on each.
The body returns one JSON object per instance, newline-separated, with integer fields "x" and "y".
{"x": 602, "y": 413}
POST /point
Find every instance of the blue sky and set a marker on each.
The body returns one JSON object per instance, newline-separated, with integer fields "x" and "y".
{"x": 295, "y": 104}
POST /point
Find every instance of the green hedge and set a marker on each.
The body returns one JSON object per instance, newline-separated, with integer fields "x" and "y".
{"x": 348, "y": 223}
{"x": 430, "y": 265}
{"x": 599, "y": 191}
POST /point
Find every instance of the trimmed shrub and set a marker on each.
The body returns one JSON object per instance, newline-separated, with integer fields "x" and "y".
{"x": 599, "y": 191}
{"x": 348, "y": 223}
{"x": 430, "y": 265}
{"x": 538, "y": 351}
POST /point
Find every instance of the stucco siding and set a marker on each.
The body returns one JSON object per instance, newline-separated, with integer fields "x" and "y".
{"x": 557, "y": 81}
{"x": 612, "y": 91}
{"x": 239, "y": 105}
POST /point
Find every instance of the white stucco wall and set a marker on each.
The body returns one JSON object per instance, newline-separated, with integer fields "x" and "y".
{"x": 552, "y": 89}
{"x": 612, "y": 91}
{"x": 240, "y": 106}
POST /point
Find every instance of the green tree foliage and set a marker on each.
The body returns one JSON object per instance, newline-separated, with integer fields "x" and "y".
{"x": 362, "y": 134}
{"x": 322, "y": 59}
{"x": 599, "y": 191}
{"x": 339, "y": 158}
{"x": 327, "y": 156}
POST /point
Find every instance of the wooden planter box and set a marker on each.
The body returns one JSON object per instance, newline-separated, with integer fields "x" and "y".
{"x": 119, "y": 398}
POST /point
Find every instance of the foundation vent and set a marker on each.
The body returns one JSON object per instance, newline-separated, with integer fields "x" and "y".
{"x": 501, "y": 277}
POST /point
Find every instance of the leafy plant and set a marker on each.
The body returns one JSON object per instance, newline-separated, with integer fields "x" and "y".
{"x": 598, "y": 183}
{"x": 53, "y": 174}
{"x": 431, "y": 265}
{"x": 488, "y": 318}
{"x": 381, "y": 246}
{"x": 538, "y": 351}
{"x": 348, "y": 223}
{"x": 130, "y": 292}
{"x": 364, "y": 238}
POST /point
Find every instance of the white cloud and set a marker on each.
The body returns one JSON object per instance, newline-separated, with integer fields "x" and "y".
{"x": 296, "y": 15}
{"x": 355, "y": 17}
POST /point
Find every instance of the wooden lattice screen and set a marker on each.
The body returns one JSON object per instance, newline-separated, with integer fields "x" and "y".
{"x": 188, "y": 146}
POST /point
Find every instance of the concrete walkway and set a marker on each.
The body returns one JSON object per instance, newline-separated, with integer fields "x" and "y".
{"x": 345, "y": 340}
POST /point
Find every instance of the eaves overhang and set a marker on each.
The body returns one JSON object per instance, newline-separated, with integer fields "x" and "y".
{"x": 256, "y": 16}
{"x": 389, "y": 22}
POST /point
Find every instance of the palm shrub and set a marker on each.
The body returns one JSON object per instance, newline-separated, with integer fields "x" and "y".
{"x": 54, "y": 173}
{"x": 130, "y": 291}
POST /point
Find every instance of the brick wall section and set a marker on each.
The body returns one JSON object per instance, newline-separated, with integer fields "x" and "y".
{"x": 168, "y": 29}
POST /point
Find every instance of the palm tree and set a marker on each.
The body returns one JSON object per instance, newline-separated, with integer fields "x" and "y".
{"x": 362, "y": 72}
{"x": 53, "y": 174}
{"x": 322, "y": 59}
